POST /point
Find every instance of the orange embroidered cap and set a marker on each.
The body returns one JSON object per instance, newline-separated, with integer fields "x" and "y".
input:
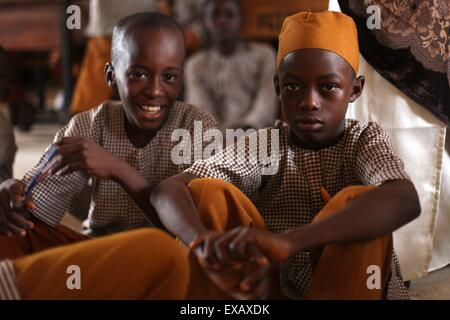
{"x": 327, "y": 30}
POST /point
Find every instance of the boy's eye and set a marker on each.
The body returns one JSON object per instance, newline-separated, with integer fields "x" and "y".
{"x": 170, "y": 77}
{"x": 330, "y": 87}
{"x": 292, "y": 86}
{"x": 137, "y": 75}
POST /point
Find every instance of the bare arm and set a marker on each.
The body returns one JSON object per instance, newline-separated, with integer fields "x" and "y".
{"x": 373, "y": 214}
{"x": 176, "y": 209}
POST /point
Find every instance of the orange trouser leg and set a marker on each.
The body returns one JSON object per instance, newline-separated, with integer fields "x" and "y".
{"x": 41, "y": 237}
{"x": 91, "y": 89}
{"x": 221, "y": 206}
{"x": 341, "y": 270}
{"x": 141, "y": 264}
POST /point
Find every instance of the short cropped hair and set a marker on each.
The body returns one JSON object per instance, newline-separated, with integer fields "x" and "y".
{"x": 151, "y": 20}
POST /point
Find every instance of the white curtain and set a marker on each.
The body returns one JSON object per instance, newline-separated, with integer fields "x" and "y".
{"x": 419, "y": 138}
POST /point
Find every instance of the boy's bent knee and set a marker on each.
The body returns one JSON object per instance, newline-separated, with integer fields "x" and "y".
{"x": 197, "y": 185}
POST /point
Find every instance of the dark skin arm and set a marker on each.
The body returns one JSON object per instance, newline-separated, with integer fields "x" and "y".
{"x": 176, "y": 209}
{"x": 373, "y": 214}
{"x": 80, "y": 154}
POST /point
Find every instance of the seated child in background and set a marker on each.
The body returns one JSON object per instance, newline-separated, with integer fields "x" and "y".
{"x": 233, "y": 79}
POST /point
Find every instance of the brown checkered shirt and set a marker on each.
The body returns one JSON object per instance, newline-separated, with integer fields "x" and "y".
{"x": 111, "y": 209}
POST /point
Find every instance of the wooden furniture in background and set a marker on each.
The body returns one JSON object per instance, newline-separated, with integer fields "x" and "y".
{"x": 263, "y": 18}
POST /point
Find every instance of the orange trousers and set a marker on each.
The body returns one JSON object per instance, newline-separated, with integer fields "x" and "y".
{"x": 149, "y": 264}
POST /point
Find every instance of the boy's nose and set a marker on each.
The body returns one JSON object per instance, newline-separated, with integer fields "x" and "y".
{"x": 310, "y": 101}
{"x": 154, "y": 87}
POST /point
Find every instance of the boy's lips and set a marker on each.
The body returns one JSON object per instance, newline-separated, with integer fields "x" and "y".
{"x": 151, "y": 111}
{"x": 309, "y": 123}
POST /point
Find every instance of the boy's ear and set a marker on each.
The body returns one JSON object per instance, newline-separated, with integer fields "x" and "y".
{"x": 276, "y": 83}
{"x": 110, "y": 77}
{"x": 357, "y": 88}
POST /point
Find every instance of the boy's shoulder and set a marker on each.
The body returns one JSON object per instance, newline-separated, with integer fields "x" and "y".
{"x": 105, "y": 109}
{"x": 184, "y": 114}
{"x": 107, "y": 116}
{"x": 354, "y": 127}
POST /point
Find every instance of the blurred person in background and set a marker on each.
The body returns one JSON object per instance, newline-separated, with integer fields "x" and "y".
{"x": 233, "y": 80}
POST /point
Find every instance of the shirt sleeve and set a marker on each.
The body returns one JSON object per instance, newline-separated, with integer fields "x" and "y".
{"x": 243, "y": 163}
{"x": 376, "y": 160}
{"x": 200, "y": 126}
{"x": 54, "y": 193}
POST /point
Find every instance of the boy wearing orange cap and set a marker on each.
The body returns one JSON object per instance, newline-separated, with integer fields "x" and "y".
{"x": 293, "y": 240}
{"x": 325, "y": 248}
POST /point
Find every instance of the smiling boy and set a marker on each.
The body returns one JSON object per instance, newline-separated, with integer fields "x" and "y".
{"x": 125, "y": 146}
{"x": 325, "y": 250}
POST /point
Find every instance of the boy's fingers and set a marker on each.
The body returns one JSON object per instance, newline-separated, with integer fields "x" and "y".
{"x": 15, "y": 229}
{"x": 223, "y": 250}
{"x": 257, "y": 256}
{"x": 239, "y": 244}
{"x": 16, "y": 202}
{"x": 209, "y": 254}
{"x": 18, "y": 220}
{"x": 72, "y": 167}
{"x": 222, "y": 253}
{"x": 254, "y": 278}
{"x": 196, "y": 243}
{"x": 29, "y": 203}
{"x": 67, "y": 159}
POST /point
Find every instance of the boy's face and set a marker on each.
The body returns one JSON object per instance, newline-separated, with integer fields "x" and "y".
{"x": 314, "y": 87}
{"x": 223, "y": 20}
{"x": 148, "y": 75}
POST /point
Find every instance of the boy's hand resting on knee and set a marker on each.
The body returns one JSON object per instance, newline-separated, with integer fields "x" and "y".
{"x": 81, "y": 154}
{"x": 243, "y": 244}
{"x": 14, "y": 218}
{"x": 236, "y": 262}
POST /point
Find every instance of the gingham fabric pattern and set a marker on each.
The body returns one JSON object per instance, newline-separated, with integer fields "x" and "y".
{"x": 8, "y": 148}
{"x": 111, "y": 209}
{"x": 290, "y": 198}
{"x": 8, "y": 288}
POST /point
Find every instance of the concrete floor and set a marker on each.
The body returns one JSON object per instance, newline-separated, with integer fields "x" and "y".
{"x": 434, "y": 286}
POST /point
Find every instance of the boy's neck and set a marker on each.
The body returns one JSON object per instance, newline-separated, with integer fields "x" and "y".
{"x": 317, "y": 146}
{"x": 139, "y": 138}
{"x": 227, "y": 48}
